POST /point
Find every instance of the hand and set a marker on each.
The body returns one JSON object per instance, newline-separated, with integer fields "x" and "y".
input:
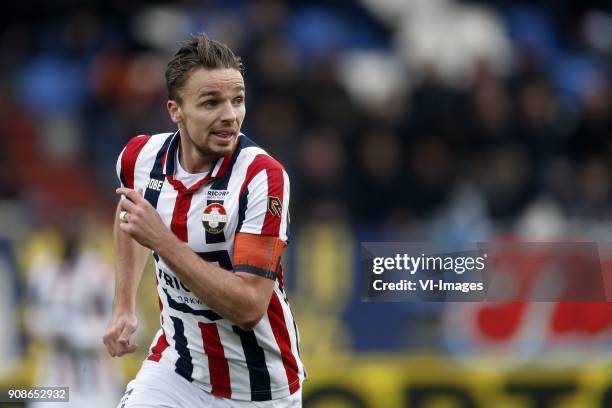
{"x": 118, "y": 333}
{"x": 141, "y": 221}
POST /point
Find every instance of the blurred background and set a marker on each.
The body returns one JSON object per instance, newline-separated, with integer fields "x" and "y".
{"x": 397, "y": 120}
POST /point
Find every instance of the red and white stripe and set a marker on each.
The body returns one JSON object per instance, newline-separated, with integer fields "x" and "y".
{"x": 127, "y": 159}
{"x": 216, "y": 351}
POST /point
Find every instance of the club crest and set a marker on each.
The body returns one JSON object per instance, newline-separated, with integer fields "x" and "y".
{"x": 214, "y": 218}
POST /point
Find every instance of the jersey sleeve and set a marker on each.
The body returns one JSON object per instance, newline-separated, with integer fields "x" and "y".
{"x": 264, "y": 201}
{"x": 119, "y": 169}
{"x": 126, "y": 162}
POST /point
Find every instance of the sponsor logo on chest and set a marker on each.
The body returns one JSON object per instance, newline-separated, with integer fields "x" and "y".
{"x": 155, "y": 184}
{"x": 217, "y": 195}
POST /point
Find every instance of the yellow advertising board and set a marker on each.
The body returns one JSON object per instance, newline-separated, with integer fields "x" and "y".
{"x": 384, "y": 381}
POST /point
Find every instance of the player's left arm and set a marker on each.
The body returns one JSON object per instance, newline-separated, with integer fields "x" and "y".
{"x": 241, "y": 297}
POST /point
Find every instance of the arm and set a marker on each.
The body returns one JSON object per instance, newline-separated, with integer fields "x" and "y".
{"x": 131, "y": 258}
{"x": 239, "y": 297}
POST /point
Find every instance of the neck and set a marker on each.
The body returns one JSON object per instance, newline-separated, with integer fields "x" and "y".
{"x": 193, "y": 160}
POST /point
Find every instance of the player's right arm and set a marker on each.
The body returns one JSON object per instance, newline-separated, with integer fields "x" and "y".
{"x": 130, "y": 260}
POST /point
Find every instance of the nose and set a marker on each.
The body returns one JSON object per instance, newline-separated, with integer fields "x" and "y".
{"x": 228, "y": 112}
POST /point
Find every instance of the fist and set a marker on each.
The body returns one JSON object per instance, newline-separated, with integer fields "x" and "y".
{"x": 118, "y": 333}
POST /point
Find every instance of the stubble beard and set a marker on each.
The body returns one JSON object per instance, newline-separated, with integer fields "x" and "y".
{"x": 215, "y": 151}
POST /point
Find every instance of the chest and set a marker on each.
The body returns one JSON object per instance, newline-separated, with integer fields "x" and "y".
{"x": 205, "y": 219}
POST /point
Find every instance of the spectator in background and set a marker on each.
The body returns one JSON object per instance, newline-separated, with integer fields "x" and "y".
{"x": 69, "y": 302}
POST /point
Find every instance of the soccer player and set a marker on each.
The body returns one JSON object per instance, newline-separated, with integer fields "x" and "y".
{"x": 212, "y": 207}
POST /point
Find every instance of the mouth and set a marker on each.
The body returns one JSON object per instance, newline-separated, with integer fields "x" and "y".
{"x": 223, "y": 136}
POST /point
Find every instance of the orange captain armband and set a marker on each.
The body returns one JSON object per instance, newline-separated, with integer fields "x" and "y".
{"x": 257, "y": 254}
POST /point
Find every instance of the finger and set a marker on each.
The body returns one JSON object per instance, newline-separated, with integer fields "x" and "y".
{"x": 125, "y": 345}
{"x": 123, "y": 216}
{"x": 128, "y": 206}
{"x": 122, "y": 191}
{"x": 110, "y": 346}
{"x": 121, "y": 346}
{"x": 110, "y": 340}
{"x": 130, "y": 194}
{"x": 112, "y": 331}
{"x": 124, "y": 338}
{"x": 109, "y": 336}
{"x": 127, "y": 192}
{"x": 127, "y": 329}
{"x": 126, "y": 227}
{"x": 125, "y": 350}
{"x": 132, "y": 348}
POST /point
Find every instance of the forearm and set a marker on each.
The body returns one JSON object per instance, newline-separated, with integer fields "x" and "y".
{"x": 228, "y": 294}
{"x": 131, "y": 258}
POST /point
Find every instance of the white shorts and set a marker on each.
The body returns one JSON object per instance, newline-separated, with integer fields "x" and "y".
{"x": 155, "y": 386}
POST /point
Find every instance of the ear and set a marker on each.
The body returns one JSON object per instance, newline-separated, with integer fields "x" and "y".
{"x": 175, "y": 111}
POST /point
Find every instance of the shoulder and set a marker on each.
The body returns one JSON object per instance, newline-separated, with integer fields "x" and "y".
{"x": 140, "y": 152}
{"x": 137, "y": 142}
{"x": 142, "y": 146}
{"x": 260, "y": 172}
{"x": 255, "y": 159}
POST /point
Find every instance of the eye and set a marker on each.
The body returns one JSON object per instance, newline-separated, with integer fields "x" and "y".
{"x": 209, "y": 103}
{"x": 238, "y": 100}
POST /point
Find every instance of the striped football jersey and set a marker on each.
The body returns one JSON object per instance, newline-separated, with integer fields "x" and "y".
{"x": 247, "y": 191}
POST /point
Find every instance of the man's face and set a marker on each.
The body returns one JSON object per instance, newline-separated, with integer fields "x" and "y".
{"x": 212, "y": 110}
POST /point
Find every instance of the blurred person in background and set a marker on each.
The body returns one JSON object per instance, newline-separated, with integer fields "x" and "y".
{"x": 215, "y": 214}
{"x": 69, "y": 303}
